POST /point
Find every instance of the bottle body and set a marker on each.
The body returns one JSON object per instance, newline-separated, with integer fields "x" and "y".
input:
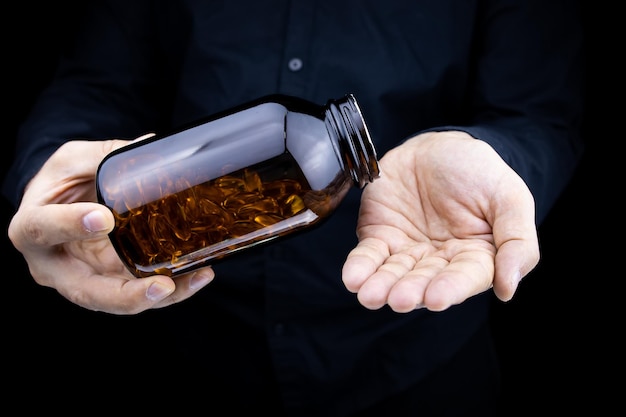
{"x": 240, "y": 178}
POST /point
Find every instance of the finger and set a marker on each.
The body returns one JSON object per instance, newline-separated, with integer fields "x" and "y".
{"x": 362, "y": 262}
{"x": 42, "y": 227}
{"x": 187, "y": 285}
{"x": 514, "y": 260}
{"x": 408, "y": 293}
{"x": 469, "y": 273}
{"x": 374, "y": 292}
{"x": 118, "y": 292}
{"x": 515, "y": 237}
{"x": 116, "y": 295}
{"x": 144, "y": 137}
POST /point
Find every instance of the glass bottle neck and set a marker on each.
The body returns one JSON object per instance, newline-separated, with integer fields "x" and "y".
{"x": 345, "y": 121}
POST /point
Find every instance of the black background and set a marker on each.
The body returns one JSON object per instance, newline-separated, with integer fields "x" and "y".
{"x": 558, "y": 338}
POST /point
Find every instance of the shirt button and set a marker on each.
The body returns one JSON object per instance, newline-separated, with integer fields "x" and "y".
{"x": 295, "y": 64}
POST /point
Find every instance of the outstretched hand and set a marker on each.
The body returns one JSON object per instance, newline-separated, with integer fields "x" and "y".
{"x": 447, "y": 219}
{"x": 63, "y": 235}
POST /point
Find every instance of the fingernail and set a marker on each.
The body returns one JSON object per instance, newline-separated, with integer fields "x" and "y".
{"x": 157, "y": 292}
{"x": 94, "y": 221}
{"x": 199, "y": 280}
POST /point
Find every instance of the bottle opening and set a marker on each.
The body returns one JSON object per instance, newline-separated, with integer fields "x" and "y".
{"x": 363, "y": 163}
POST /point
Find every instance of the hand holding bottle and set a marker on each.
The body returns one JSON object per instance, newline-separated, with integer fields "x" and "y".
{"x": 63, "y": 235}
{"x": 447, "y": 220}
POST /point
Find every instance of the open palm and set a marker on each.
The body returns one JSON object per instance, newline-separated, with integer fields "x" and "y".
{"x": 448, "y": 219}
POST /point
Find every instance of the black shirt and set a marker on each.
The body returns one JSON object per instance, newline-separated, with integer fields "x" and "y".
{"x": 508, "y": 72}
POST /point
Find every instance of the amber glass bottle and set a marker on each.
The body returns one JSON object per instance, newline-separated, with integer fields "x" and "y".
{"x": 239, "y": 178}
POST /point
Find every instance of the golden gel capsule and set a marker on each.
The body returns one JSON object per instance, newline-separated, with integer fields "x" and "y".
{"x": 268, "y": 168}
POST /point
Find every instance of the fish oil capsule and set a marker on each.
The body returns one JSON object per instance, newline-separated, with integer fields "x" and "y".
{"x": 268, "y": 168}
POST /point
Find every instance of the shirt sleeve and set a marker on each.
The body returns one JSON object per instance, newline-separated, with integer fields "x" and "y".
{"x": 527, "y": 102}
{"x": 100, "y": 89}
